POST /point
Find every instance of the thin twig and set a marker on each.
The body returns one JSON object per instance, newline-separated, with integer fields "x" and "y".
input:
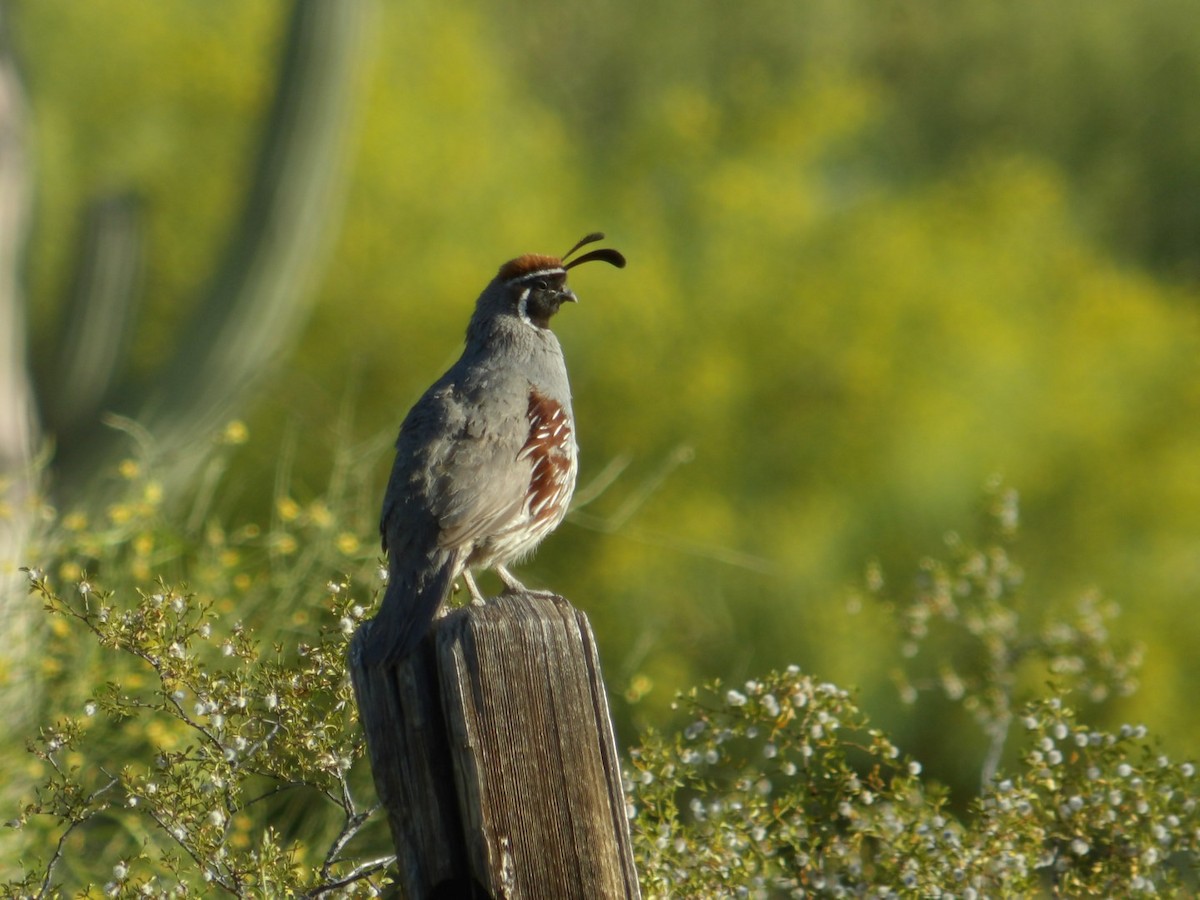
{"x": 359, "y": 872}
{"x": 997, "y": 737}
{"x": 649, "y": 486}
{"x": 347, "y": 799}
{"x": 200, "y": 864}
{"x": 135, "y": 430}
{"x": 350, "y": 829}
{"x": 700, "y": 549}
{"x": 266, "y": 795}
{"x": 602, "y": 482}
{"x": 252, "y": 751}
{"x": 75, "y": 823}
{"x": 618, "y": 522}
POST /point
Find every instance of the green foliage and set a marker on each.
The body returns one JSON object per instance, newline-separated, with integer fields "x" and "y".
{"x": 191, "y": 748}
{"x": 877, "y": 253}
{"x": 782, "y": 788}
{"x": 226, "y": 736}
{"x": 969, "y": 632}
{"x": 201, "y": 737}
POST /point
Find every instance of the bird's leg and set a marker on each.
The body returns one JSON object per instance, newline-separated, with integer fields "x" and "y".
{"x": 512, "y": 586}
{"x": 473, "y": 588}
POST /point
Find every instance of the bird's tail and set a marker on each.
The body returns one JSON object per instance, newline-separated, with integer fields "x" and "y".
{"x": 409, "y": 605}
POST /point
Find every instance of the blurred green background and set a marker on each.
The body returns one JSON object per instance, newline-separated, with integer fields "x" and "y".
{"x": 880, "y": 252}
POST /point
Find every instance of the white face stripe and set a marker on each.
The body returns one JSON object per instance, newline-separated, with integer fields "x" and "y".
{"x": 521, "y": 302}
{"x": 557, "y": 270}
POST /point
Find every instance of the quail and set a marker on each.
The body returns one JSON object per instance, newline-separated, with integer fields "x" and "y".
{"x": 486, "y": 459}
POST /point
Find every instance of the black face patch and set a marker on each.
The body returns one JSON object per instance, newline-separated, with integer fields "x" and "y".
{"x": 544, "y": 293}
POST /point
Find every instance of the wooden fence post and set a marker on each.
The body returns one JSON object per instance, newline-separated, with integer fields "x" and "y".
{"x": 493, "y": 752}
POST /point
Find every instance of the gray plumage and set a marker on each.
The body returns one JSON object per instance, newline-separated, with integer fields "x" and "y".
{"x": 486, "y": 459}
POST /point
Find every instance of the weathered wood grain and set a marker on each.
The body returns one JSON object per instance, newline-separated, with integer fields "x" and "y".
{"x": 493, "y": 751}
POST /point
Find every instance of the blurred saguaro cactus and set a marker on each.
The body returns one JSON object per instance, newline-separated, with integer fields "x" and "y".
{"x": 18, "y": 423}
{"x": 250, "y": 307}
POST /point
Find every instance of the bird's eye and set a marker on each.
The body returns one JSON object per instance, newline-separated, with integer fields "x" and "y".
{"x": 540, "y": 284}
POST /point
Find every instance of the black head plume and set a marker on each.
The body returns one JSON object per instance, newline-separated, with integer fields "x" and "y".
{"x": 606, "y": 254}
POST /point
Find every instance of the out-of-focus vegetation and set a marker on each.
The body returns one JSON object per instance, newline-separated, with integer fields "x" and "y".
{"x": 185, "y": 756}
{"x": 878, "y": 254}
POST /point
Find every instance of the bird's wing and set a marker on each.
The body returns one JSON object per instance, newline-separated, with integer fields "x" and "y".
{"x": 481, "y": 488}
{"x": 452, "y": 470}
{"x": 403, "y": 501}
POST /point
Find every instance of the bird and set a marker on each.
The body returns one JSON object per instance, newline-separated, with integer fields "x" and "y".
{"x": 486, "y": 459}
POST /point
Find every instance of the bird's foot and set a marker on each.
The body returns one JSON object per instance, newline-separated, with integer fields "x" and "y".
{"x": 513, "y": 586}
{"x": 473, "y": 589}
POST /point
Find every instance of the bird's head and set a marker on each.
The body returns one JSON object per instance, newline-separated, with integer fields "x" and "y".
{"x": 531, "y": 288}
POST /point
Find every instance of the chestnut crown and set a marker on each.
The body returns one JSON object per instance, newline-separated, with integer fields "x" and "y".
{"x": 538, "y": 283}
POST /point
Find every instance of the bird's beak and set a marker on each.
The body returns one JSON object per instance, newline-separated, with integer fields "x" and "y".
{"x": 567, "y": 296}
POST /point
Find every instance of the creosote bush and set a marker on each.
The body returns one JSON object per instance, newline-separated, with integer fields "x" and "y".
{"x": 781, "y": 788}
{"x": 204, "y": 742}
{"x": 969, "y": 633}
{"x": 201, "y": 738}
{"x": 227, "y": 730}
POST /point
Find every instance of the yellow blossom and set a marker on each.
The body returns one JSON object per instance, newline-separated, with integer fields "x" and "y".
{"x": 239, "y": 836}
{"x": 639, "y": 686}
{"x": 153, "y": 493}
{"x": 320, "y": 514}
{"x": 236, "y": 432}
{"x": 288, "y": 508}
